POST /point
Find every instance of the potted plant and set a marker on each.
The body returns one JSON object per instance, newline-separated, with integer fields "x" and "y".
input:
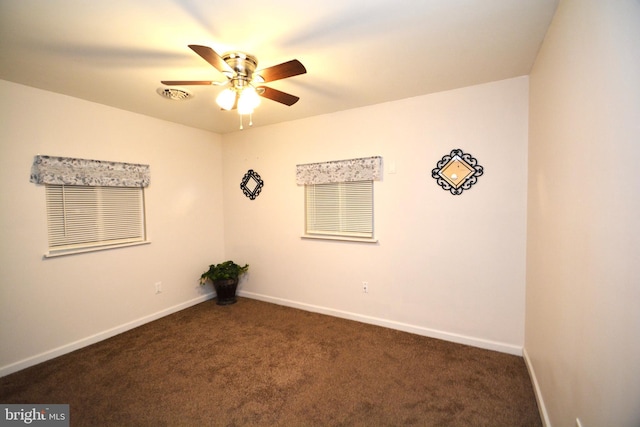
{"x": 224, "y": 277}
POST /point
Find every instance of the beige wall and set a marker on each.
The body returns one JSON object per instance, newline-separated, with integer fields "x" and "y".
{"x": 48, "y": 307}
{"x": 418, "y": 278}
{"x": 583, "y": 242}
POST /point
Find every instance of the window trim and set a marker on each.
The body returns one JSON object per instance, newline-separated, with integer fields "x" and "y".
{"x": 339, "y": 238}
{"x": 64, "y": 252}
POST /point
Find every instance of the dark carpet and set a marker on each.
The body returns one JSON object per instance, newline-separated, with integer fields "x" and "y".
{"x": 260, "y": 364}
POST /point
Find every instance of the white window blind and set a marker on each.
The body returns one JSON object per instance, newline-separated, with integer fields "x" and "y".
{"x": 340, "y": 209}
{"x": 81, "y": 217}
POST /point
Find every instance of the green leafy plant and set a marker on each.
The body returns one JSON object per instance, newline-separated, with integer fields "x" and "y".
{"x": 223, "y": 271}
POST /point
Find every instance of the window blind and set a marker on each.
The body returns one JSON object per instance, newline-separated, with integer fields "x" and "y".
{"x": 92, "y": 216}
{"x": 340, "y": 209}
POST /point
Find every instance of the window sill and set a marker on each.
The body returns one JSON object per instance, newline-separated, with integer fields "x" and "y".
{"x": 340, "y": 238}
{"x": 55, "y": 254}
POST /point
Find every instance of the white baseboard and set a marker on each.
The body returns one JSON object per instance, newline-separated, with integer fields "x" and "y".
{"x": 418, "y": 330}
{"x": 536, "y": 390}
{"x": 68, "y": 348}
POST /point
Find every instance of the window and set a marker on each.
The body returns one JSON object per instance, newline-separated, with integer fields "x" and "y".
{"x": 82, "y": 218}
{"x": 339, "y": 209}
{"x": 91, "y": 204}
{"x": 339, "y": 198}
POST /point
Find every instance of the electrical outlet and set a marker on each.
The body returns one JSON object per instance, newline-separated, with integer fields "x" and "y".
{"x": 158, "y": 287}
{"x": 365, "y": 287}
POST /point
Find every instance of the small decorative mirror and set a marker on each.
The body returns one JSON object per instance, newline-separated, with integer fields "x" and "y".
{"x": 457, "y": 171}
{"x": 251, "y": 184}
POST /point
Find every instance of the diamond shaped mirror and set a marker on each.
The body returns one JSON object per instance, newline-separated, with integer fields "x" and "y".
{"x": 457, "y": 171}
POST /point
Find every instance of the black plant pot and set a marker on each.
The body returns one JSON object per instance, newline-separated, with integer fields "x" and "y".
{"x": 226, "y": 291}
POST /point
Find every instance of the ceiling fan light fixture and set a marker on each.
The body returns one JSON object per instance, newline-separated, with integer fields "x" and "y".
{"x": 226, "y": 99}
{"x": 248, "y": 100}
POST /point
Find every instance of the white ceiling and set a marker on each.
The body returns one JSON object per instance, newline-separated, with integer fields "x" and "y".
{"x": 357, "y": 52}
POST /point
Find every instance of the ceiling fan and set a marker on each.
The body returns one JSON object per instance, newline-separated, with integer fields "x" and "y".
{"x": 240, "y": 70}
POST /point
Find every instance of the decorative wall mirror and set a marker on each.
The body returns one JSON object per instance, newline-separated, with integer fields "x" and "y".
{"x": 457, "y": 172}
{"x": 251, "y": 184}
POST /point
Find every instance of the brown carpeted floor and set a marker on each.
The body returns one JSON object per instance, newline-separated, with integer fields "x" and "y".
{"x": 254, "y": 363}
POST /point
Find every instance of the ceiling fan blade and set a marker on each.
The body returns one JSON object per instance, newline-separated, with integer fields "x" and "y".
{"x": 278, "y": 96}
{"x": 212, "y": 58}
{"x": 186, "y": 82}
{"x": 282, "y": 71}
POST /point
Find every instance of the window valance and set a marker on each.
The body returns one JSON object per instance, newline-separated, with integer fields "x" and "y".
{"x": 70, "y": 171}
{"x": 362, "y": 169}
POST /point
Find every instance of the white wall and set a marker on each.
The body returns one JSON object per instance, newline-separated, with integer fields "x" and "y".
{"x": 48, "y": 307}
{"x": 445, "y": 266}
{"x": 583, "y": 275}
{"x": 419, "y": 279}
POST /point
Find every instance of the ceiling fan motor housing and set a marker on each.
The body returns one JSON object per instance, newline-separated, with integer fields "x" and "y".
{"x": 242, "y": 64}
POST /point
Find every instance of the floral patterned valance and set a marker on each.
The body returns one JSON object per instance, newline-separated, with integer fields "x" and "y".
{"x": 363, "y": 169}
{"x": 69, "y": 171}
